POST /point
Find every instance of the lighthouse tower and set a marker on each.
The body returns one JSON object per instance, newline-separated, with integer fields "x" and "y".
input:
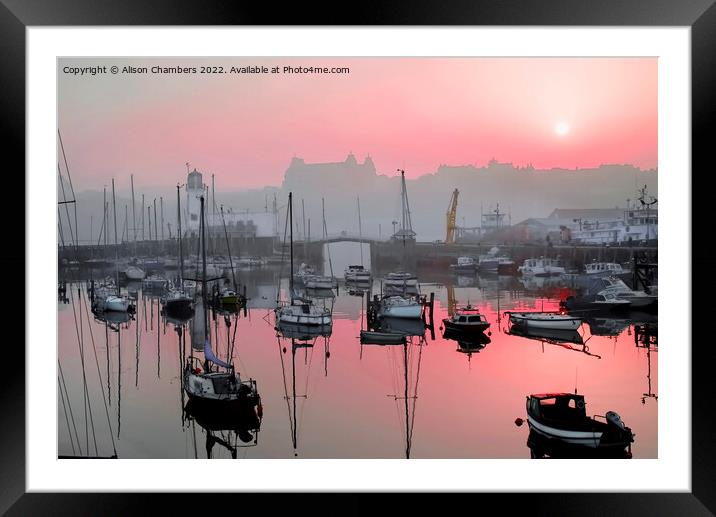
{"x": 194, "y": 190}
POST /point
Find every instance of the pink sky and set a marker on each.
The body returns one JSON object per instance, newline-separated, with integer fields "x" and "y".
{"x": 411, "y": 113}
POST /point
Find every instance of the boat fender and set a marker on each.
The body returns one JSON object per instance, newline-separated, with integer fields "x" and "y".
{"x": 260, "y": 410}
{"x": 580, "y": 404}
{"x": 197, "y": 371}
{"x": 614, "y": 419}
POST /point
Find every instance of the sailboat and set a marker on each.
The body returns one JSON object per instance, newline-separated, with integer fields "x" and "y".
{"x": 178, "y": 302}
{"x": 322, "y": 282}
{"x": 215, "y": 383}
{"x": 105, "y": 299}
{"x": 401, "y": 286}
{"x": 358, "y": 274}
{"x": 299, "y": 311}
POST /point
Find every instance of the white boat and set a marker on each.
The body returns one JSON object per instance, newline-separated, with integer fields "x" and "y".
{"x": 400, "y": 307}
{"x": 134, "y": 273}
{"x": 219, "y": 390}
{"x": 304, "y": 272}
{"x": 357, "y": 274}
{"x": 541, "y": 267}
{"x": 604, "y": 269}
{"x": 155, "y": 282}
{"x": 319, "y": 282}
{"x": 618, "y": 288}
{"x": 300, "y": 311}
{"x": 116, "y": 303}
{"x": 464, "y": 264}
{"x": 303, "y": 312}
{"x": 400, "y": 279}
{"x": 545, "y": 320}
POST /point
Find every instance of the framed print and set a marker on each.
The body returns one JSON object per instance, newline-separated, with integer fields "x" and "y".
{"x": 377, "y": 258}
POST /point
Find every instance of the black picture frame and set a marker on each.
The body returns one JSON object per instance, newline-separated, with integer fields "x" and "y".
{"x": 699, "y": 15}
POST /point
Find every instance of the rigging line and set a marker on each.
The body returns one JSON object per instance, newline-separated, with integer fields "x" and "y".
{"x": 99, "y": 375}
{"x": 106, "y": 346}
{"x": 80, "y": 346}
{"x": 94, "y": 438}
{"x": 69, "y": 404}
{"x": 415, "y": 394}
{"x": 308, "y": 376}
{"x": 67, "y": 167}
{"x": 67, "y": 420}
{"x": 285, "y": 386}
{"x": 67, "y": 210}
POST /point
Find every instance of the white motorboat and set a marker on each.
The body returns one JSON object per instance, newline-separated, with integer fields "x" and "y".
{"x": 464, "y": 264}
{"x": 545, "y": 320}
{"x": 319, "y": 282}
{"x": 400, "y": 307}
{"x": 604, "y": 269}
{"x": 357, "y": 274}
{"x": 541, "y": 267}
{"x": 400, "y": 279}
{"x": 618, "y": 288}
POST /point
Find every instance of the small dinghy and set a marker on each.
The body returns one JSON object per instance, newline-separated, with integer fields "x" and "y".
{"x": 545, "y": 320}
{"x": 368, "y": 337}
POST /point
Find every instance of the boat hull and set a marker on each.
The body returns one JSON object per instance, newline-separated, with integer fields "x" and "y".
{"x": 554, "y": 324}
{"x": 406, "y": 311}
{"x": 466, "y": 328}
{"x": 115, "y": 304}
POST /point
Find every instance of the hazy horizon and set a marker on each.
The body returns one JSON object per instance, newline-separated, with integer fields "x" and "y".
{"x": 409, "y": 113}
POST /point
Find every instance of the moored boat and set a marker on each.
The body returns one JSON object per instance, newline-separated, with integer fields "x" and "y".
{"x": 545, "y": 320}
{"x": 563, "y": 417}
{"x": 400, "y": 307}
{"x": 467, "y": 319}
{"x": 541, "y": 267}
{"x": 464, "y": 265}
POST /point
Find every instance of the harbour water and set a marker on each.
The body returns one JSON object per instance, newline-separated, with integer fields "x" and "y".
{"x": 338, "y": 398}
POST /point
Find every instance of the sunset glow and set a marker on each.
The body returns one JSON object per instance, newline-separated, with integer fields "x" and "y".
{"x": 408, "y": 113}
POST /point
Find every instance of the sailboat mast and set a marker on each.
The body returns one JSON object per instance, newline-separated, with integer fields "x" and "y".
{"x": 290, "y": 224}
{"x": 360, "y": 233}
{"x": 293, "y": 371}
{"x": 407, "y": 428}
{"x": 203, "y": 273}
{"x": 213, "y": 217}
{"x": 402, "y": 200}
{"x": 228, "y": 249}
{"x": 134, "y": 215}
{"x": 181, "y": 256}
{"x": 104, "y": 221}
{"x": 325, "y": 235}
{"x": 116, "y": 249}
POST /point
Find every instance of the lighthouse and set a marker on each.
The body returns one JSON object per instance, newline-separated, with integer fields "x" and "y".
{"x": 194, "y": 190}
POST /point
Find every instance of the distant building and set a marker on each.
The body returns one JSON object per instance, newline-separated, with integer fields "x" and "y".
{"x": 239, "y": 223}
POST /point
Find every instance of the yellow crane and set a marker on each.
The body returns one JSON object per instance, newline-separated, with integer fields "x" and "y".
{"x": 451, "y": 216}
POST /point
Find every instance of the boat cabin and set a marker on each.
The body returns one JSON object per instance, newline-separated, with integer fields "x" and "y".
{"x": 557, "y": 406}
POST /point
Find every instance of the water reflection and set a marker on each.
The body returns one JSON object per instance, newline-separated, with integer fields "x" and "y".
{"x": 147, "y": 415}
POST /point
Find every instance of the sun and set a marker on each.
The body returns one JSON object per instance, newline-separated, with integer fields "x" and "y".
{"x": 562, "y": 128}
